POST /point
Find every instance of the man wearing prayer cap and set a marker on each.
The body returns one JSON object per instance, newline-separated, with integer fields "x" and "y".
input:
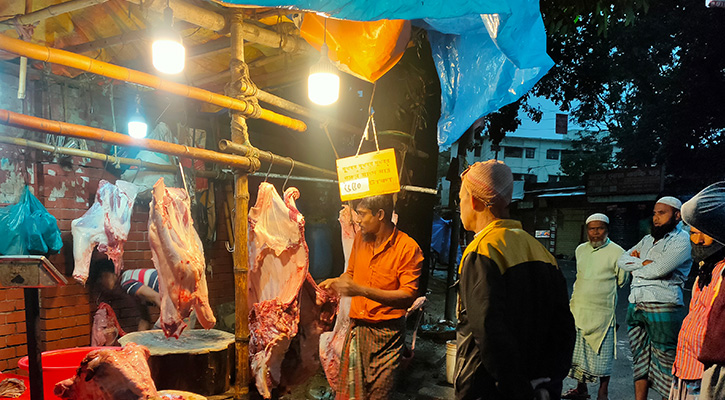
{"x": 515, "y": 332}
{"x": 701, "y": 344}
{"x": 593, "y": 302}
{"x": 659, "y": 263}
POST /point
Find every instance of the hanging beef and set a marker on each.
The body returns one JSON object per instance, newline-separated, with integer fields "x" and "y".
{"x": 331, "y": 343}
{"x": 105, "y": 224}
{"x": 177, "y": 254}
{"x": 111, "y": 374}
{"x": 282, "y": 353}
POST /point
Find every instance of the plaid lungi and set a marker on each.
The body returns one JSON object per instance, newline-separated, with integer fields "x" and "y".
{"x": 370, "y": 359}
{"x": 685, "y": 389}
{"x": 653, "y": 329}
{"x": 586, "y": 364}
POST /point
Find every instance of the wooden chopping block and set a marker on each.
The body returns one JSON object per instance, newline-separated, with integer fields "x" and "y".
{"x": 200, "y": 361}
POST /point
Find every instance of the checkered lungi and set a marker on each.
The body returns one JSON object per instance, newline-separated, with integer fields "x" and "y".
{"x": 586, "y": 364}
{"x": 685, "y": 389}
{"x": 373, "y": 351}
{"x": 653, "y": 329}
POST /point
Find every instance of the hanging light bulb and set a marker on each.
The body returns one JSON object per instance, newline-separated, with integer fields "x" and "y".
{"x": 167, "y": 51}
{"x": 323, "y": 84}
{"x": 137, "y": 126}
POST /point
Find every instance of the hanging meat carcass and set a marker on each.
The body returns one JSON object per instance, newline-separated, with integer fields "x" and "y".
{"x": 178, "y": 255}
{"x": 288, "y": 311}
{"x": 331, "y": 343}
{"x": 111, "y": 374}
{"x": 105, "y": 224}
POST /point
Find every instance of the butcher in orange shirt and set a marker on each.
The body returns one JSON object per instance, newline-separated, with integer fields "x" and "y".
{"x": 382, "y": 279}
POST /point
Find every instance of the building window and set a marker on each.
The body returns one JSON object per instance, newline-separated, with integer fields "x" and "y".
{"x": 513, "y": 152}
{"x": 552, "y": 154}
{"x": 530, "y": 153}
{"x": 554, "y": 178}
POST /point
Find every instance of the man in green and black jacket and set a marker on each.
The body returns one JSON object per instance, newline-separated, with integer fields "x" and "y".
{"x": 515, "y": 332}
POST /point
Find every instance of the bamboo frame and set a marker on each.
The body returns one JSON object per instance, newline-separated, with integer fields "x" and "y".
{"x": 228, "y": 146}
{"x": 86, "y": 132}
{"x": 88, "y": 64}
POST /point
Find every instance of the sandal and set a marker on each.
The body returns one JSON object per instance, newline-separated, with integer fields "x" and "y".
{"x": 574, "y": 394}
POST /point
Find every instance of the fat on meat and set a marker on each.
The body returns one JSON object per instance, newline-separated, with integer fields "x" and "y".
{"x": 331, "y": 343}
{"x": 288, "y": 311}
{"x": 111, "y": 374}
{"x": 105, "y": 225}
{"x": 178, "y": 255}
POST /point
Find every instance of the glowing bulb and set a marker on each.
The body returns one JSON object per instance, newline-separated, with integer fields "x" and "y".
{"x": 137, "y": 129}
{"x": 168, "y": 56}
{"x": 323, "y": 84}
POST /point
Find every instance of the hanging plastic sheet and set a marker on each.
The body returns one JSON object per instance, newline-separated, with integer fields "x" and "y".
{"x": 366, "y": 50}
{"x": 28, "y": 228}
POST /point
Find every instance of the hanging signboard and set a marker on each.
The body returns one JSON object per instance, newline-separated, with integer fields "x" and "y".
{"x": 368, "y": 174}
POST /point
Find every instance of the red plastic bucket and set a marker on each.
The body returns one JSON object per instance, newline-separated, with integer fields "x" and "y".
{"x": 59, "y": 365}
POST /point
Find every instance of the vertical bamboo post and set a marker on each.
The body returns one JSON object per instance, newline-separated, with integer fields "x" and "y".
{"x": 240, "y": 135}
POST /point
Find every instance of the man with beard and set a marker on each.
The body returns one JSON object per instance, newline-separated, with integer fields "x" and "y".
{"x": 382, "y": 279}
{"x": 659, "y": 263}
{"x": 593, "y": 302}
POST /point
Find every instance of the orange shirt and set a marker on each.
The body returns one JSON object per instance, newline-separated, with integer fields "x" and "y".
{"x": 394, "y": 265}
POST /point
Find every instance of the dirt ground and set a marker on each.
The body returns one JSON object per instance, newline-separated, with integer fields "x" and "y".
{"x": 425, "y": 377}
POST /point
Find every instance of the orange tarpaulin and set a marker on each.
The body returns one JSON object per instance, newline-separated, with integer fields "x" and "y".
{"x": 364, "y": 49}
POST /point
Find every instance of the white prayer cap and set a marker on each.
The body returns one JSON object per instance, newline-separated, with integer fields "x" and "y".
{"x": 671, "y": 201}
{"x": 598, "y": 217}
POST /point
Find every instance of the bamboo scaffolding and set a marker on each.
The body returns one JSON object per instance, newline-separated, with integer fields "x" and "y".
{"x": 85, "y": 132}
{"x": 88, "y": 64}
{"x": 48, "y": 12}
{"x": 145, "y": 165}
{"x": 228, "y": 146}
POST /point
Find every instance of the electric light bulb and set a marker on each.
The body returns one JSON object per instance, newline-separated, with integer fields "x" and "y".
{"x": 168, "y": 56}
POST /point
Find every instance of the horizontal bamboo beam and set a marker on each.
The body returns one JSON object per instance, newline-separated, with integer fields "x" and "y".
{"x": 149, "y": 166}
{"x": 88, "y": 64}
{"x": 23, "y": 121}
{"x": 48, "y": 12}
{"x": 230, "y": 147}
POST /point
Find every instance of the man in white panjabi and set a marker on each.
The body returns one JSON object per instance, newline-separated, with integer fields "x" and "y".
{"x": 593, "y": 302}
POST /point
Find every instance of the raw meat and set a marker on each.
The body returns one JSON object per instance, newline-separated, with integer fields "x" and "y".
{"x": 12, "y": 387}
{"x": 105, "y": 224}
{"x": 111, "y": 374}
{"x": 331, "y": 343}
{"x": 281, "y": 353}
{"x": 106, "y": 328}
{"x": 177, "y": 254}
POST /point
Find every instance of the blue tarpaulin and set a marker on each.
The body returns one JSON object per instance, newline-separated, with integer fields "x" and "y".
{"x": 488, "y": 53}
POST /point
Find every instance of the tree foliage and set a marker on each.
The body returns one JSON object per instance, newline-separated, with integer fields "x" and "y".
{"x": 654, "y": 74}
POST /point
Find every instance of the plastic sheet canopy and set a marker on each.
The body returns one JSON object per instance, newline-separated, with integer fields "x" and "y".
{"x": 488, "y": 53}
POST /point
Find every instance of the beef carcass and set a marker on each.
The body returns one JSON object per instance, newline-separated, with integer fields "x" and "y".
{"x": 284, "y": 336}
{"x": 178, "y": 255}
{"x": 111, "y": 374}
{"x": 331, "y": 343}
{"x": 105, "y": 224}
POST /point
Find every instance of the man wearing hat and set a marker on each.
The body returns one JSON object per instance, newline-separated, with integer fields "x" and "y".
{"x": 703, "y": 331}
{"x": 593, "y": 302}
{"x": 659, "y": 263}
{"x": 515, "y": 333}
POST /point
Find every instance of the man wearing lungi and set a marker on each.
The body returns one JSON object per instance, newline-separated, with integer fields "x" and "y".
{"x": 593, "y": 302}
{"x": 515, "y": 333}
{"x": 659, "y": 263}
{"x": 382, "y": 279}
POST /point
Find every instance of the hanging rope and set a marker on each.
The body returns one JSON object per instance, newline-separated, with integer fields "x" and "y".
{"x": 370, "y": 125}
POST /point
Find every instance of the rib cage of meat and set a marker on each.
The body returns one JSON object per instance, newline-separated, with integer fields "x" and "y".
{"x": 331, "y": 343}
{"x": 178, "y": 255}
{"x": 284, "y": 335}
{"x": 111, "y": 374}
{"x": 105, "y": 224}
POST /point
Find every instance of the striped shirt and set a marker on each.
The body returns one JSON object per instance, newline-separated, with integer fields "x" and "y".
{"x": 662, "y": 280}
{"x": 689, "y": 341}
{"x": 133, "y": 279}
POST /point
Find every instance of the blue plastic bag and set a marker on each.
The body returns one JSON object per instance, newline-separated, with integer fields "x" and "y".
{"x": 28, "y": 228}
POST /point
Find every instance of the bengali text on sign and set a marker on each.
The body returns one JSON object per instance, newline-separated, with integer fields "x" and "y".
{"x": 368, "y": 174}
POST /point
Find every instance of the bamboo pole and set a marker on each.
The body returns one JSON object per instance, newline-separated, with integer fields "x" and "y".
{"x": 86, "y": 132}
{"x": 240, "y": 135}
{"x": 149, "y": 166}
{"x": 88, "y": 64}
{"x": 250, "y": 151}
{"x": 48, "y": 12}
